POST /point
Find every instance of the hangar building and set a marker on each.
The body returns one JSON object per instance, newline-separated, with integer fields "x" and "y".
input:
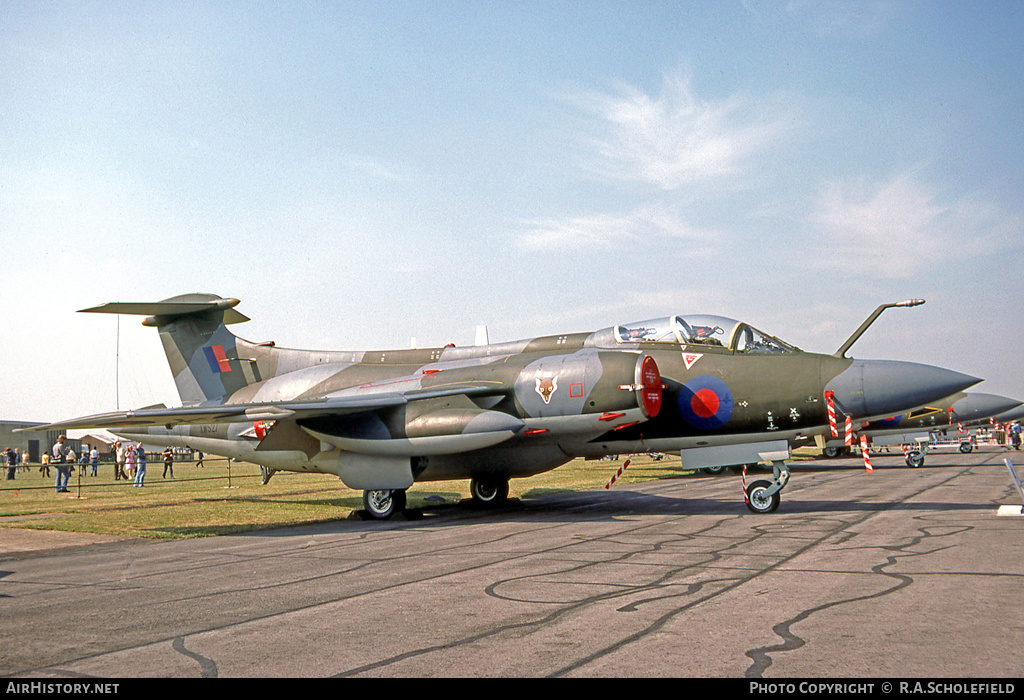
{"x": 32, "y": 444}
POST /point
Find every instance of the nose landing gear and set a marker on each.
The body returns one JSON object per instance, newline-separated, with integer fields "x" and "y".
{"x": 763, "y": 496}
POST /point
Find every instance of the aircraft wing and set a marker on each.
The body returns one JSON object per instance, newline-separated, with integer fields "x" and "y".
{"x": 266, "y": 411}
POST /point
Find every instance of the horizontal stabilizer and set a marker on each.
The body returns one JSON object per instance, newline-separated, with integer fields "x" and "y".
{"x": 177, "y": 306}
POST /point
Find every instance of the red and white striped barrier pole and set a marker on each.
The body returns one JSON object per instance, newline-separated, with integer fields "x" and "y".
{"x": 831, "y": 413}
{"x": 849, "y": 431}
{"x": 864, "y": 451}
{"x": 617, "y": 474}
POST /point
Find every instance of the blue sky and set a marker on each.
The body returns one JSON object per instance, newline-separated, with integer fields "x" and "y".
{"x": 360, "y": 174}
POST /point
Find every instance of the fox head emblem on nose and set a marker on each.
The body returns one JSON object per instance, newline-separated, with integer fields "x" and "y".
{"x": 546, "y": 387}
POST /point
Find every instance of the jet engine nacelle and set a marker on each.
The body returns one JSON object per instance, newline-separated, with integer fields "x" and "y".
{"x": 421, "y": 430}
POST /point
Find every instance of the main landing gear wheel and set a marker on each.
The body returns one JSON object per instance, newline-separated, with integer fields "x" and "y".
{"x": 966, "y": 447}
{"x": 381, "y": 504}
{"x": 489, "y": 492}
{"x": 915, "y": 459}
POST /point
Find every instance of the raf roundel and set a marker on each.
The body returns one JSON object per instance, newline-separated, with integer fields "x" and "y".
{"x": 705, "y": 403}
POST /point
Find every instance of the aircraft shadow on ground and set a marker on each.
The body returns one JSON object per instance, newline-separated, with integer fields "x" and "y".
{"x": 632, "y": 503}
{"x": 599, "y": 507}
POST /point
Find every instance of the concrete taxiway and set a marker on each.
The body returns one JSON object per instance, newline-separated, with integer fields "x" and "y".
{"x": 900, "y": 573}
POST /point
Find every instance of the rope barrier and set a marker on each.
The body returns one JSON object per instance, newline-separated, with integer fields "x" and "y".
{"x": 150, "y": 480}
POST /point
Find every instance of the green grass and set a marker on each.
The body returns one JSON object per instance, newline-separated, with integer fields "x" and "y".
{"x": 202, "y": 502}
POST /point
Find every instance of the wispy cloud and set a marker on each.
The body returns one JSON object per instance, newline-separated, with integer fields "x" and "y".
{"x": 378, "y": 169}
{"x": 667, "y": 143}
{"x": 852, "y": 18}
{"x": 676, "y": 138}
{"x": 898, "y": 228}
{"x": 653, "y": 225}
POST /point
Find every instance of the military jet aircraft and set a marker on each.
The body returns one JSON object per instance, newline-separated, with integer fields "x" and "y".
{"x": 915, "y": 427}
{"x": 1009, "y": 416}
{"x": 966, "y": 429}
{"x": 714, "y": 390}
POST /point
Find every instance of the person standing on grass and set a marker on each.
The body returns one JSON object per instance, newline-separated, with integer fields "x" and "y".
{"x": 118, "y": 461}
{"x": 129, "y": 461}
{"x": 168, "y": 454}
{"x": 140, "y": 464}
{"x": 60, "y": 456}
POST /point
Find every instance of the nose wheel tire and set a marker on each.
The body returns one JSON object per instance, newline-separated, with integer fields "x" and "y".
{"x": 381, "y": 504}
{"x": 759, "y": 500}
{"x": 489, "y": 492}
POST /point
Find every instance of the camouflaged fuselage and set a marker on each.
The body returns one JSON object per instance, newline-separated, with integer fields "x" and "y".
{"x": 383, "y": 418}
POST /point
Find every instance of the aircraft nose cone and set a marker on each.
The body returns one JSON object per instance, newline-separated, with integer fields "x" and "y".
{"x": 886, "y": 387}
{"x": 974, "y": 406}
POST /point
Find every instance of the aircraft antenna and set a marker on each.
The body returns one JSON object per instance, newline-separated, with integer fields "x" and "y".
{"x": 481, "y": 336}
{"x": 841, "y": 352}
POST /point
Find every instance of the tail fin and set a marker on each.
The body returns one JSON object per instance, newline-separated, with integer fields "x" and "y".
{"x": 203, "y": 353}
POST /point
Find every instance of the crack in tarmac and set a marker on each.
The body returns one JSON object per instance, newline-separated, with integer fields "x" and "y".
{"x": 207, "y": 667}
{"x": 761, "y": 656}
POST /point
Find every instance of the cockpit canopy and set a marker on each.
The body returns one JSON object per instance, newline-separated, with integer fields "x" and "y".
{"x": 708, "y": 331}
